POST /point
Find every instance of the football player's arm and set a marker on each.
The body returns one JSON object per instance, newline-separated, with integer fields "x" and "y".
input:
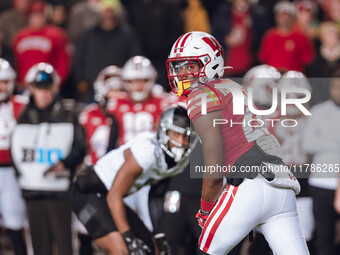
{"x": 212, "y": 146}
{"x": 124, "y": 180}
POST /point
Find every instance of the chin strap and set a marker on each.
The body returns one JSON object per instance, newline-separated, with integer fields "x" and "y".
{"x": 183, "y": 85}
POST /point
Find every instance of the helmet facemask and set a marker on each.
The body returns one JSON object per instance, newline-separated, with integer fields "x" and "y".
{"x": 180, "y": 79}
{"x": 107, "y": 84}
{"x": 175, "y": 120}
{"x": 202, "y": 48}
{"x": 136, "y": 69}
{"x": 177, "y": 151}
{"x": 139, "y": 96}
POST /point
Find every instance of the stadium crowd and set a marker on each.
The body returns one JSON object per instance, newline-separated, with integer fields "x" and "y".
{"x": 79, "y": 78}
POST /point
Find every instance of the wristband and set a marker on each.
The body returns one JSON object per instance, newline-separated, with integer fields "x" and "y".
{"x": 128, "y": 236}
{"x": 207, "y": 206}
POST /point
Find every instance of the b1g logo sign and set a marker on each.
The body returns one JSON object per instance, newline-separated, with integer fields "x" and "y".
{"x": 41, "y": 155}
{"x": 240, "y": 99}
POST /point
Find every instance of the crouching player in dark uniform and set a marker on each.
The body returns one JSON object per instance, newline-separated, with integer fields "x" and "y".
{"x": 99, "y": 190}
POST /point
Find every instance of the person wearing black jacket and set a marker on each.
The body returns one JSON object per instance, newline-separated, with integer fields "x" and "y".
{"x": 47, "y": 145}
{"x": 111, "y": 42}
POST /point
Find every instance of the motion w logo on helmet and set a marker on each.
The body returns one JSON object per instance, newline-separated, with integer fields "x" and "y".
{"x": 215, "y": 46}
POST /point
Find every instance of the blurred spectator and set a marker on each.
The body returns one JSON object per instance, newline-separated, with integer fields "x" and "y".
{"x": 109, "y": 43}
{"x": 5, "y": 4}
{"x": 83, "y": 16}
{"x": 196, "y": 17}
{"x": 326, "y": 62}
{"x": 5, "y": 51}
{"x": 12, "y": 20}
{"x": 269, "y": 4}
{"x": 158, "y": 24}
{"x": 239, "y": 27}
{"x": 47, "y": 145}
{"x": 331, "y": 9}
{"x": 59, "y": 13}
{"x": 40, "y": 42}
{"x": 282, "y": 46}
{"x": 327, "y": 58}
{"x": 306, "y": 17}
{"x": 321, "y": 139}
{"x": 211, "y": 6}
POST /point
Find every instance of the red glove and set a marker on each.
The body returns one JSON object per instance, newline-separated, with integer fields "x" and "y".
{"x": 203, "y": 213}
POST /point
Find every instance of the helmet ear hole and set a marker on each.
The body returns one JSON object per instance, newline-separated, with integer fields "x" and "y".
{"x": 215, "y": 66}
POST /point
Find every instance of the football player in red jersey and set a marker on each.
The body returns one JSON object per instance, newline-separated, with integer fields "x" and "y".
{"x": 138, "y": 109}
{"x": 258, "y": 198}
{"x": 100, "y": 126}
{"x": 12, "y": 208}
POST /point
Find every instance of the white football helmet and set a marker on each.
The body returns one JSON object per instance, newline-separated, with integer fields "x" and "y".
{"x": 139, "y": 68}
{"x": 42, "y": 75}
{"x": 6, "y": 74}
{"x": 199, "y": 47}
{"x": 175, "y": 118}
{"x": 294, "y": 79}
{"x": 261, "y": 79}
{"x": 107, "y": 79}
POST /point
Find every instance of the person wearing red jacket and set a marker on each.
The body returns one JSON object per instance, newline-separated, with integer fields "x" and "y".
{"x": 284, "y": 47}
{"x": 40, "y": 42}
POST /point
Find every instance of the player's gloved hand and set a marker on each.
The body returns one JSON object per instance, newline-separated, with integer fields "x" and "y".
{"x": 203, "y": 213}
{"x": 135, "y": 245}
{"x": 162, "y": 244}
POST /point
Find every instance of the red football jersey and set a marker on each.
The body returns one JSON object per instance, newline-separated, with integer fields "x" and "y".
{"x": 134, "y": 118}
{"x": 9, "y": 113}
{"x": 239, "y": 131}
{"x": 97, "y": 127}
